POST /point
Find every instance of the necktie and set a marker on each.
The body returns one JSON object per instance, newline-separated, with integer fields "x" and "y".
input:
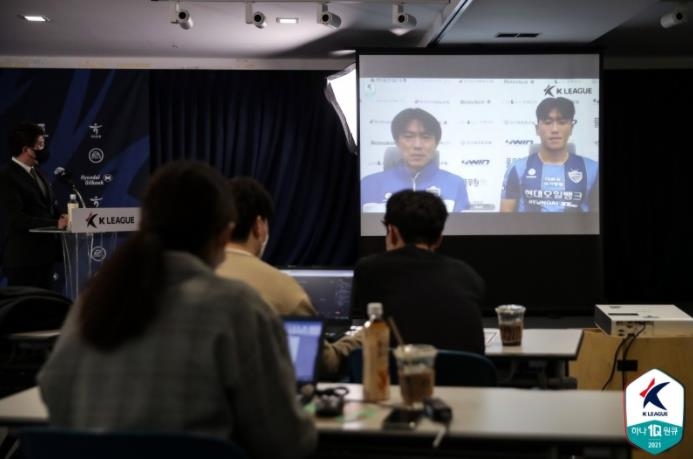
{"x": 39, "y": 182}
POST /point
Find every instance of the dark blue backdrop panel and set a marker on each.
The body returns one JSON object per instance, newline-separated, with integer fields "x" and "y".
{"x": 278, "y": 127}
{"x": 97, "y": 123}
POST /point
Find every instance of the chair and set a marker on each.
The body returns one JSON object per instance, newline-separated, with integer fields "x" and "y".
{"x": 453, "y": 368}
{"x": 29, "y": 321}
{"x": 30, "y": 308}
{"x": 50, "y": 443}
{"x": 460, "y": 368}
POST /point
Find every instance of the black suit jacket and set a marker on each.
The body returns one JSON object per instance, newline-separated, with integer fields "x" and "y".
{"x": 434, "y": 299}
{"x": 24, "y": 207}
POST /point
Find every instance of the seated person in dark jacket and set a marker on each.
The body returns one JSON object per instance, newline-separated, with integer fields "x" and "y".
{"x": 434, "y": 299}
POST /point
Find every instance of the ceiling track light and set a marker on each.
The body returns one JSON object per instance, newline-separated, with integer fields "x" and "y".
{"x": 327, "y": 18}
{"x": 257, "y": 18}
{"x": 676, "y": 17}
{"x": 181, "y": 16}
{"x": 400, "y": 18}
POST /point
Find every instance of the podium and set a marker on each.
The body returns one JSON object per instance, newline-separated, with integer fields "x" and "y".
{"x": 93, "y": 237}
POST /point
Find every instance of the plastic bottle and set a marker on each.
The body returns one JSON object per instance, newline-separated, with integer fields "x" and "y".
{"x": 376, "y": 349}
{"x": 71, "y": 204}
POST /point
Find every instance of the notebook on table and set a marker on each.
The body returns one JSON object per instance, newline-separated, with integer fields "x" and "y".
{"x": 305, "y": 335}
{"x": 329, "y": 289}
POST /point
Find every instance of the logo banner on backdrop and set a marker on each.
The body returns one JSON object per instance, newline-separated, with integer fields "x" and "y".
{"x": 97, "y": 125}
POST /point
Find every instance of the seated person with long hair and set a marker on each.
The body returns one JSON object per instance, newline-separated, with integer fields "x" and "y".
{"x": 158, "y": 342}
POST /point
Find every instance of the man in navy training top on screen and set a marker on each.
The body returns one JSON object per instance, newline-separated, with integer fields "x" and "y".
{"x": 553, "y": 179}
{"x": 417, "y": 134}
{"x": 434, "y": 299}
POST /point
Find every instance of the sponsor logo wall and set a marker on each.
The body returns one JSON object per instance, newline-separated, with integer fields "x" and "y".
{"x": 97, "y": 122}
{"x": 486, "y": 123}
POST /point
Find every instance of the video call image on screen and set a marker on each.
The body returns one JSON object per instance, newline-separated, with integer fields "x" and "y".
{"x": 509, "y": 142}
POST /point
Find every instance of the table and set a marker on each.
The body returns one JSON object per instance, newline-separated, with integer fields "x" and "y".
{"x": 544, "y": 352}
{"x": 520, "y": 422}
{"x": 500, "y": 422}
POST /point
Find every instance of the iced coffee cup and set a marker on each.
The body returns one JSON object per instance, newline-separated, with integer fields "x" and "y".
{"x": 511, "y": 318}
{"x": 416, "y": 371}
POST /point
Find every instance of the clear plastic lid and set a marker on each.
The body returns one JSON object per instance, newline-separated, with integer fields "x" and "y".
{"x": 375, "y": 309}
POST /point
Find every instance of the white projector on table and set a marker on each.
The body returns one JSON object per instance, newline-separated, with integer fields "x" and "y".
{"x": 657, "y": 319}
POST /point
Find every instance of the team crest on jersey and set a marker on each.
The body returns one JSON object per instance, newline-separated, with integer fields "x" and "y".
{"x": 434, "y": 190}
{"x": 575, "y": 176}
{"x": 531, "y": 172}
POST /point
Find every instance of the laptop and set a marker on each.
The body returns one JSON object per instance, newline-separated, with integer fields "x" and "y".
{"x": 329, "y": 289}
{"x": 305, "y": 335}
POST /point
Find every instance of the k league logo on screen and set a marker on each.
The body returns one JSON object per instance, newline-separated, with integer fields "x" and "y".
{"x": 654, "y": 411}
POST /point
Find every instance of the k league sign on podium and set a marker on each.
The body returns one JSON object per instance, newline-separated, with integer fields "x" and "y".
{"x": 94, "y": 235}
{"x": 105, "y": 220}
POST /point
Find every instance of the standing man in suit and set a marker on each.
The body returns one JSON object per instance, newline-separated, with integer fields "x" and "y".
{"x": 27, "y": 200}
{"x": 434, "y": 299}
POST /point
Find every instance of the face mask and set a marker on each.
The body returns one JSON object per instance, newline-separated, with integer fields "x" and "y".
{"x": 264, "y": 246}
{"x": 42, "y": 155}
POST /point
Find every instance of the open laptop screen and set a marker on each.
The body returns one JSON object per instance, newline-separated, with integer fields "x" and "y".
{"x": 305, "y": 336}
{"x": 328, "y": 289}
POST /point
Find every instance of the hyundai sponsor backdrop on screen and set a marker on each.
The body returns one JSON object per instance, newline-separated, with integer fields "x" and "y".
{"x": 97, "y": 125}
{"x": 486, "y": 107}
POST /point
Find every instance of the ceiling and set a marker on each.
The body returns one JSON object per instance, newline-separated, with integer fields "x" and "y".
{"x": 138, "y": 33}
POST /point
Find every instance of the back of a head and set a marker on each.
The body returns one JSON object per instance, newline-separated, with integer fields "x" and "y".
{"x": 23, "y": 135}
{"x": 418, "y": 215}
{"x": 186, "y": 204}
{"x": 252, "y": 200}
{"x": 185, "y": 207}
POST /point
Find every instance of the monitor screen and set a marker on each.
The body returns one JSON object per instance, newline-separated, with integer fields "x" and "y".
{"x": 305, "y": 338}
{"x": 328, "y": 289}
{"x": 509, "y": 142}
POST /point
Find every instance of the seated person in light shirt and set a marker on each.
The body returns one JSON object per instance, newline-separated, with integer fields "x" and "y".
{"x": 159, "y": 342}
{"x": 417, "y": 135}
{"x": 244, "y": 251}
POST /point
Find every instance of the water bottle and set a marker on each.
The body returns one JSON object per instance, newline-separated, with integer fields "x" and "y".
{"x": 376, "y": 350}
{"x": 71, "y": 204}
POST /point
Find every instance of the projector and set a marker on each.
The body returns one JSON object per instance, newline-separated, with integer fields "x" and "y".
{"x": 658, "y": 320}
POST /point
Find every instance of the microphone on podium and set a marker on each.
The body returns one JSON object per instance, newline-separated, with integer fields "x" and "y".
{"x": 65, "y": 176}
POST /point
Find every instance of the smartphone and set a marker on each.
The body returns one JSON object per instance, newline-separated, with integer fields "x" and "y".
{"x": 402, "y": 419}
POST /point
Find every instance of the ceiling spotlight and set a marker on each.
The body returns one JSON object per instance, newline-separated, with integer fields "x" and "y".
{"x": 257, "y": 18}
{"x": 34, "y": 18}
{"x": 328, "y": 19}
{"x": 676, "y": 17}
{"x": 181, "y": 17}
{"x": 402, "y": 19}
